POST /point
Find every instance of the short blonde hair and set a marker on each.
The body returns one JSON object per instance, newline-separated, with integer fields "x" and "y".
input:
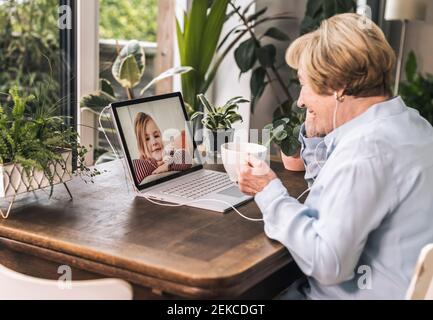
{"x": 346, "y": 52}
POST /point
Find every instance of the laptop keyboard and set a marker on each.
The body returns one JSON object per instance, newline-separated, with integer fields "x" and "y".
{"x": 200, "y": 186}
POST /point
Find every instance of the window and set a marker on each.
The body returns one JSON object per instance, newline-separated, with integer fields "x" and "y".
{"x": 126, "y": 20}
{"x": 30, "y": 48}
{"x": 119, "y": 22}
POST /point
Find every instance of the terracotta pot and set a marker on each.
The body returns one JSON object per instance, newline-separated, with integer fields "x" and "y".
{"x": 294, "y": 163}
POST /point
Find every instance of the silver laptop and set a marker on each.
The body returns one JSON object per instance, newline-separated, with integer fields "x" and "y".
{"x": 162, "y": 156}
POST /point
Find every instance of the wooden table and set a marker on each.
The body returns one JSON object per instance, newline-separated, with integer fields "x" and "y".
{"x": 163, "y": 252}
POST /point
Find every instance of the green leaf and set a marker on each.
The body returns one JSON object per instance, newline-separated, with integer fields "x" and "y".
{"x": 245, "y": 55}
{"x": 267, "y": 55}
{"x": 277, "y": 34}
{"x": 314, "y": 7}
{"x": 318, "y": 10}
{"x": 195, "y": 24}
{"x": 257, "y": 85}
{"x": 329, "y": 8}
{"x": 236, "y": 100}
{"x": 106, "y": 87}
{"x": 296, "y": 131}
{"x": 308, "y": 24}
{"x": 257, "y": 82}
{"x": 212, "y": 34}
{"x": 268, "y": 127}
{"x": 166, "y": 74}
{"x": 280, "y": 123}
{"x": 230, "y": 109}
{"x": 283, "y": 110}
{"x": 235, "y": 118}
{"x": 96, "y": 101}
{"x": 196, "y": 115}
{"x": 290, "y": 146}
{"x": 193, "y": 32}
{"x": 180, "y": 42}
{"x": 346, "y": 6}
{"x": 134, "y": 50}
{"x": 129, "y": 75}
{"x": 294, "y": 107}
{"x": 279, "y": 133}
{"x": 411, "y": 67}
{"x": 197, "y": 46}
{"x": 205, "y": 102}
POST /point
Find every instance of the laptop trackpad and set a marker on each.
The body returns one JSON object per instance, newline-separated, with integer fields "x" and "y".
{"x": 232, "y": 192}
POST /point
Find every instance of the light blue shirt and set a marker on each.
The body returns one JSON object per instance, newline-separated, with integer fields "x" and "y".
{"x": 370, "y": 209}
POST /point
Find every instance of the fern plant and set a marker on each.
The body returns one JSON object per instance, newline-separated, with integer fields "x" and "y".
{"x": 34, "y": 137}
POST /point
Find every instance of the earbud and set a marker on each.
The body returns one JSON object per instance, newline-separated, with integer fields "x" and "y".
{"x": 337, "y": 98}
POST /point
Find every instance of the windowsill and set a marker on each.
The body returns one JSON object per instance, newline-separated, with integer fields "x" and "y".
{"x": 149, "y": 47}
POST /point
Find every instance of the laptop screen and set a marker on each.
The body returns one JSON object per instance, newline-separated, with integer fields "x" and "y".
{"x": 156, "y": 138}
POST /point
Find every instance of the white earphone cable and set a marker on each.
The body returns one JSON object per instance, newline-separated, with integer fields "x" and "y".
{"x": 334, "y": 123}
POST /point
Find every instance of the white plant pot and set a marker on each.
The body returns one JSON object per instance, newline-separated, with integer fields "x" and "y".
{"x": 215, "y": 139}
{"x": 14, "y": 180}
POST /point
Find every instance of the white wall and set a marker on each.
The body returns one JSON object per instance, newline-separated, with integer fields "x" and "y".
{"x": 227, "y": 83}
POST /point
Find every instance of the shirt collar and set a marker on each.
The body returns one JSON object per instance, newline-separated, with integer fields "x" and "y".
{"x": 380, "y": 110}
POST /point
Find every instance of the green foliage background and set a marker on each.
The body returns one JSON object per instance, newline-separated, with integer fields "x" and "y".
{"x": 128, "y": 19}
{"x": 29, "y": 47}
{"x": 417, "y": 89}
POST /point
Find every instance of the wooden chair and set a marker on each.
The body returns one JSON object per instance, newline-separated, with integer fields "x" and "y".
{"x": 421, "y": 286}
{"x": 16, "y": 286}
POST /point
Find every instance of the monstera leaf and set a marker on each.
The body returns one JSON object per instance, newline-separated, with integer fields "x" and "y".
{"x": 129, "y": 66}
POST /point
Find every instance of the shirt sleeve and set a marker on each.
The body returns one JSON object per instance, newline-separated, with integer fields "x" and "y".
{"x": 327, "y": 239}
{"x": 313, "y": 153}
{"x": 181, "y": 160}
{"x": 143, "y": 168}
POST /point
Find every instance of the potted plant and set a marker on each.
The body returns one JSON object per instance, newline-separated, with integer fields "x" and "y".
{"x": 284, "y": 132}
{"x": 218, "y": 121}
{"x": 36, "y": 148}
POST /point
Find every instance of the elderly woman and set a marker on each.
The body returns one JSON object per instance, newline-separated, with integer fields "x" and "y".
{"x": 370, "y": 209}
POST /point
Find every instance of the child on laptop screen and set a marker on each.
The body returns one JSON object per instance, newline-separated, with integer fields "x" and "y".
{"x": 154, "y": 157}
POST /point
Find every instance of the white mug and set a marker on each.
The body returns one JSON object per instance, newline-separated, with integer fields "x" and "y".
{"x": 235, "y": 154}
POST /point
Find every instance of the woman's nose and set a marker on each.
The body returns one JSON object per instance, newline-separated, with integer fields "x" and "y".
{"x": 300, "y": 102}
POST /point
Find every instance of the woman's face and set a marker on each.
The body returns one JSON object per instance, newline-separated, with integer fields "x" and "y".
{"x": 153, "y": 139}
{"x": 320, "y": 107}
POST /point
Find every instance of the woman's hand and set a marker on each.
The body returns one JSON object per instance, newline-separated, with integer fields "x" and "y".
{"x": 162, "y": 167}
{"x": 254, "y": 176}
